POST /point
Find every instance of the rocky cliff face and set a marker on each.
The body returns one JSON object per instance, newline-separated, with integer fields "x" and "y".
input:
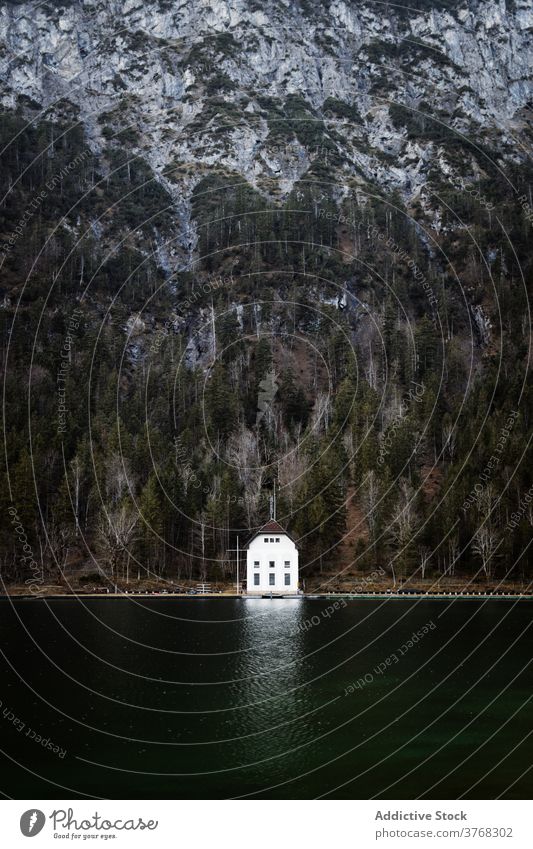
{"x": 264, "y": 89}
{"x": 413, "y": 105}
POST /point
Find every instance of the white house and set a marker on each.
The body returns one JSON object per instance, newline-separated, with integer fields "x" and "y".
{"x": 271, "y": 562}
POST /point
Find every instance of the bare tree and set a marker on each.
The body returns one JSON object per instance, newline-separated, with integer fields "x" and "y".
{"x": 199, "y": 537}
{"x": 76, "y": 472}
{"x": 449, "y": 437}
{"x": 403, "y": 518}
{"x": 372, "y": 371}
{"x": 486, "y": 539}
{"x": 291, "y": 475}
{"x": 370, "y": 500}
{"x": 485, "y": 545}
{"x": 402, "y": 525}
{"x": 321, "y": 415}
{"x": 244, "y": 454}
{"x": 453, "y": 553}
{"x": 424, "y": 554}
{"x": 58, "y": 539}
{"x": 116, "y": 534}
{"x": 118, "y": 478}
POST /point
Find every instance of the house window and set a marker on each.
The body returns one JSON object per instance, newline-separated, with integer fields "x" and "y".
{"x": 287, "y": 563}
{"x": 271, "y": 539}
{"x": 272, "y": 564}
{"x": 271, "y": 580}
{"x": 256, "y": 580}
{"x": 277, "y": 539}
{"x": 287, "y": 579}
{"x": 266, "y": 539}
{"x": 256, "y": 562}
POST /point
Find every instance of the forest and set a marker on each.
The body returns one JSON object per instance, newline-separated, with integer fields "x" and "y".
{"x": 333, "y": 344}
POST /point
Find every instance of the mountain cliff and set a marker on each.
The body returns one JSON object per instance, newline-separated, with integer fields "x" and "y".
{"x": 387, "y": 92}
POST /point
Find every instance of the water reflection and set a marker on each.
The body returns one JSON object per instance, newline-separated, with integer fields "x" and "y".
{"x": 274, "y": 682}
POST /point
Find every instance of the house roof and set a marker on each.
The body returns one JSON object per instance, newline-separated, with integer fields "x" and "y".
{"x": 270, "y": 527}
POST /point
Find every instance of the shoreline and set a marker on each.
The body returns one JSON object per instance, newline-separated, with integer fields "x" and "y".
{"x": 397, "y": 596}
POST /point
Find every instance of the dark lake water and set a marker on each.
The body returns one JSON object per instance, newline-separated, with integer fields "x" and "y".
{"x": 165, "y": 698}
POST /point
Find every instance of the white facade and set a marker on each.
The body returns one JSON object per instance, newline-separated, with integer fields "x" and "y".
{"x": 271, "y": 563}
